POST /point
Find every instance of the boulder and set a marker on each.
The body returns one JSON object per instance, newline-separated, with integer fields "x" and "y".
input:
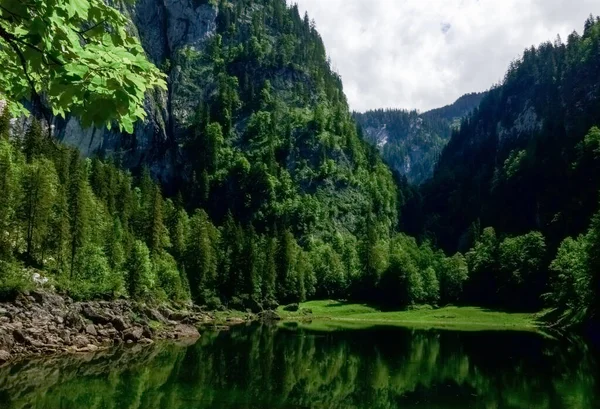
{"x": 74, "y": 321}
{"x": 119, "y": 324}
{"x": 90, "y": 329}
{"x": 81, "y": 341}
{"x": 97, "y": 317}
{"x": 269, "y": 316}
{"x": 20, "y": 337}
{"x": 133, "y": 334}
{"x": 291, "y": 307}
{"x": 154, "y": 315}
{"x": 4, "y": 356}
{"x": 185, "y": 331}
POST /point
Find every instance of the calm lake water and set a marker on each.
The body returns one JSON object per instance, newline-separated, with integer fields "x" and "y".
{"x": 290, "y": 367}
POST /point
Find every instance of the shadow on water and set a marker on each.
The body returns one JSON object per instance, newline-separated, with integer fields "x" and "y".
{"x": 286, "y": 367}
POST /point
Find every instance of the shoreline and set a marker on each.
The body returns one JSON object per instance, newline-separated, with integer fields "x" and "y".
{"x": 445, "y": 318}
{"x": 40, "y": 323}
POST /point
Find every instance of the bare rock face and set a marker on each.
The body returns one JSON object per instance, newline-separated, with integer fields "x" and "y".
{"x": 164, "y": 27}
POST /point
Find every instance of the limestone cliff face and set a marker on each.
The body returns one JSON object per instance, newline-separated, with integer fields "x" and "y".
{"x": 165, "y": 29}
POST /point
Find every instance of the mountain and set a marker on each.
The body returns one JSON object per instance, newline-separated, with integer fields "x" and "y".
{"x": 518, "y": 162}
{"x": 266, "y": 191}
{"x": 410, "y": 142}
{"x": 518, "y": 183}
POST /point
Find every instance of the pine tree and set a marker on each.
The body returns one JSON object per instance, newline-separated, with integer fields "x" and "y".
{"x": 159, "y": 236}
{"x": 33, "y": 144}
{"x": 4, "y": 123}
{"x": 10, "y": 186}
{"x": 269, "y": 278}
{"x": 39, "y": 192}
{"x": 78, "y": 207}
{"x": 200, "y": 259}
{"x": 60, "y": 227}
{"x": 140, "y": 278}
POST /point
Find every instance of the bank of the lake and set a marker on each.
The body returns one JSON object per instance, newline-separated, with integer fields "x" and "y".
{"x": 42, "y": 323}
{"x": 331, "y": 313}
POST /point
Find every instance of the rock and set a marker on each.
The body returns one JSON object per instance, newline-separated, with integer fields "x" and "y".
{"x": 165, "y": 311}
{"x": 119, "y": 324}
{"x": 4, "y": 356}
{"x": 92, "y": 348}
{"x": 133, "y": 334}
{"x": 179, "y": 315}
{"x": 74, "y": 320}
{"x": 147, "y": 332}
{"x": 81, "y": 341}
{"x": 146, "y": 341}
{"x": 90, "y": 329}
{"x": 95, "y": 316}
{"x": 185, "y": 331}
{"x": 155, "y": 315}
{"x": 20, "y": 337}
{"x": 65, "y": 335}
{"x": 269, "y": 315}
{"x": 291, "y": 307}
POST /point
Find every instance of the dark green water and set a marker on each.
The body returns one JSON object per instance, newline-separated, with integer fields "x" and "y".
{"x": 269, "y": 367}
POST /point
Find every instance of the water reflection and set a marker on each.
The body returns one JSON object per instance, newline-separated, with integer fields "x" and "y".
{"x": 270, "y": 367}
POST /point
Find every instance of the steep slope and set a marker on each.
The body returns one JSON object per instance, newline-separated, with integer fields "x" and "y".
{"x": 520, "y": 162}
{"x": 256, "y": 73}
{"x": 270, "y": 193}
{"x": 411, "y": 142}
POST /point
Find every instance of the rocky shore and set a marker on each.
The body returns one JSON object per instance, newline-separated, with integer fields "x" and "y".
{"x": 43, "y": 323}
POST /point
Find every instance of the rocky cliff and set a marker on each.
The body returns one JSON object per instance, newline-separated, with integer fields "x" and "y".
{"x": 167, "y": 30}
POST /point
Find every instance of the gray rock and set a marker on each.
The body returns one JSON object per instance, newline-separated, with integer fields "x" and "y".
{"x": 185, "y": 331}
{"x": 74, "y": 320}
{"x": 81, "y": 341}
{"x": 133, "y": 334}
{"x": 269, "y": 315}
{"x": 94, "y": 315}
{"x": 120, "y": 324}
{"x": 20, "y": 337}
{"x": 4, "y": 356}
{"x": 155, "y": 315}
{"x": 90, "y": 329}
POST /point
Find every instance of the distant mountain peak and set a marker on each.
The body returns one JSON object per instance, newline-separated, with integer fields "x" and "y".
{"x": 411, "y": 142}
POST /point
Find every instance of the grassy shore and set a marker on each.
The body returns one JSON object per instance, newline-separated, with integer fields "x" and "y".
{"x": 331, "y": 314}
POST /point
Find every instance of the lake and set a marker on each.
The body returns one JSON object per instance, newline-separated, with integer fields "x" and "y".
{"x": 261, "y": 366}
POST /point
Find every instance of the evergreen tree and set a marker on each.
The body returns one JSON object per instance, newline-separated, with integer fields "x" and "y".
{"x": 201, "y": 259}
{"x": 4, "y": 123}
{"x": 39, "y": 193}
{"x": 140, "y": 275}
{"x": 78, "y": 207}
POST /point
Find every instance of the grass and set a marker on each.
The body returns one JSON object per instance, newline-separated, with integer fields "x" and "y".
{"x": 335, "y": 314}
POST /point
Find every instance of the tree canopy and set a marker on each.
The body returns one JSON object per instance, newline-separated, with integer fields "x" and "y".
{"x": 74, "y": 56}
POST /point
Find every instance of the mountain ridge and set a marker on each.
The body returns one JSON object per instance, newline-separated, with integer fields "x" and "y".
{"x": 410, "y": 141}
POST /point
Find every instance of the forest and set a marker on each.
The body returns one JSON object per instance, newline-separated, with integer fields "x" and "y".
{"x": 277, "y": 198}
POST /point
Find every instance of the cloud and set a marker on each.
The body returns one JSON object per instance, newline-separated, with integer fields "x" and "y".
{"x": 426, "y": 53}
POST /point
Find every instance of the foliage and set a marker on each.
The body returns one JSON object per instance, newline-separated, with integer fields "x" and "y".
{"x": 76, "y": 55}
{"x": 411, "y": 142}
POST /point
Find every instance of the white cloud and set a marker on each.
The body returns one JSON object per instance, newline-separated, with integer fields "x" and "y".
{"x": 426, "y": 53}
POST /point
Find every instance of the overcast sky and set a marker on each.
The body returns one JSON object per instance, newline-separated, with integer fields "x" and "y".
{"x": 425, "y": 54}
